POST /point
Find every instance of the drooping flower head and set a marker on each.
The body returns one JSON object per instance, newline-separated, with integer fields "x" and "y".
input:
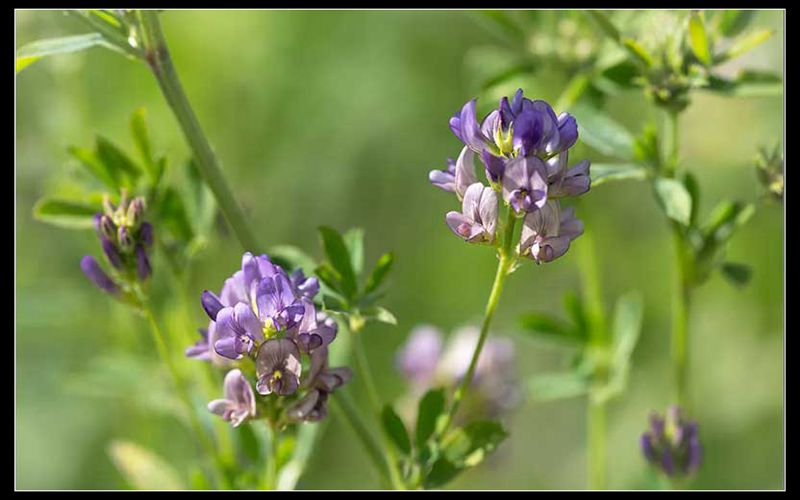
{"x": 672, "y": 444}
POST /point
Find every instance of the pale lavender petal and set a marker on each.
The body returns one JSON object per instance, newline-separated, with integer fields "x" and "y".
{"x": 465, "y": 171}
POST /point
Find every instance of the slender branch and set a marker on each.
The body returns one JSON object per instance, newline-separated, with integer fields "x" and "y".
{"x": 158, "y": 57}
{"x": 366, "y": 375}
{"x": 596, "y": 432}
{"x": 183, "y": 395}
{"x": 353, "y": 417}
{"x": 680, "y": 324}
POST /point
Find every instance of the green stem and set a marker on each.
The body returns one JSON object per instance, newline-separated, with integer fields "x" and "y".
{"x": 362, "y": 364}
{"x": 598, "y": 337}
{"x": 679, "y": 338}
{"x": 342, "y": 402}
{"x": 183, "y": 395}
{"x": 596, "y": 435}
{"x": 158, "y": 57}
{"x": 680, "y": 324}
{"x": 503, "y": 267}
{"x": 116, "y": 38}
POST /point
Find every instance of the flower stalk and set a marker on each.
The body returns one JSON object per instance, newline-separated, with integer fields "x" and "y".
{"x": 158, "y": 58}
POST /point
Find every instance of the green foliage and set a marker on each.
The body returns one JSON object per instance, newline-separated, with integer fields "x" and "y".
{"x": 342, "y": 276}
{"x": 395, "y": 429}
{"x": 674, "y": 199}
{"x": 34, "y": 51}
{"x": 66, "y": 213}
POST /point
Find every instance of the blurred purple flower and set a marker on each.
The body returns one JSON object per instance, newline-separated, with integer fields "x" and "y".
{"x": 95, "y": 273}
{"x": 672, "y": 444}
{"x": 240, "y": 401}
{"x": 418, "y": 358}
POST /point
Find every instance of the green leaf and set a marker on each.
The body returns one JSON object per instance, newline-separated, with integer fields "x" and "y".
{"x": 725, "y": 218}
{"x": 339, "y": 257}
{"x": 173, "y": 215}
{"x": 626, "y": 327}
{"x": 92, "y": 162}
{"x": 395, "y": 430}
{"x": 621, "y": 74}
{"x": 602, "y": 133}
{"x": 442, "y": 472}
{"x": 333, "y": 303}
{"x": 574, "y": 306}
{"x": 430, "y": 408}
{"x": 32, "y": 52}
{"x": 693, "y": 187}
{"x": 605, "y": 25}
{"x": 638, "y": 52}
{"x": 747, "y": 84}
{"x": 602, "y": 173}
{"x": 698, "y": 38}
{"x": 329, "y": 276}
{"x": 65, "y": 213}
{"x": 732, "y": 22}
{"x": 141, "y": 137}
{"x": 354, "y": 240}
{"x": 550, "y": 327}
{"x": 744, "y": 44}
{"x": 737, "y": 274}
{"x": 508, "y": 74}
{"x": 561, "y": 385}
{"x": 294, "y": 256}
{"x": 470, "y": 444}
{"x": 142, "y": 468}
{"x": 379, "y": 272}
{"x": 381, "y": 314}
{"x": 675, "y": 199}
{"x": 573, "y": 91}
{"x": 117, "y": 161}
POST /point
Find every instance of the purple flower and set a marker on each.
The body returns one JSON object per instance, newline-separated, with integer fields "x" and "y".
{"x": 95, "y": 273}
{"x": 525, "y": 184}
{"x": 547, "y": 233}
{"x": 563, "y": 181}
{"x": 536, "y": 128}
{"x": 315, "y": 329}
{"x": 426, "y": 363}
{"x": 445, "y": 179}
{"x": 240, "y": 401}
{"x": 278, "y": 307}
{"x": 200, "y": 349}
{"x": 418, "y": 358}
{"x": 465, "y": 126}
{"x": 302, "y": 286}
{"x": 278, "y": 367}
{"x": 672, "y": 444}
{"x": 124, "y": 237}
{"x": 211, "y": 304}
{"x": 321, "y": 382}
{"x": 238, "y": 330}
{"x": 478, "y": 218}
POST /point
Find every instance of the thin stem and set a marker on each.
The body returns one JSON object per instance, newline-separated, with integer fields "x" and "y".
{"x": 596, "y": 432}
{"x": 158, "y": 57}
{"x": 680, "y": 324}
{"x": 353, "y": 417}
{"x": 503, "y": 267}
{"x": 183, "y": 394}
{"x": 679, "y": 338}
{"x": 364, "y": 370}
{"x": 598, "y": 337}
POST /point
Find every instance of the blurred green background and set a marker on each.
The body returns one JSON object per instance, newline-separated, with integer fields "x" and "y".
{"x": 336, "y": 118}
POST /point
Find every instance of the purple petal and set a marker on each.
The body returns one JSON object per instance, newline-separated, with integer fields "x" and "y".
{"x": 95, "y": 273}
{"x": 493, "y": 165}
{"x": 567, "y": 131}
{"x": 146, "y": 234}
{"x": 465, "y": 171}
{"x": 488, "y": 211}
{"x": 111, "y": 252}
{"x": 143, "y": 269}
{"x": 211, "y": 304}
{"x": 470, "y": 129}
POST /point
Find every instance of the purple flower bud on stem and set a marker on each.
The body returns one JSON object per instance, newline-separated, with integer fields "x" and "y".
{"x": 94, "y": 272}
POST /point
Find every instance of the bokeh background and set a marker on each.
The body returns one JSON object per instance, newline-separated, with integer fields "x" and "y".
{"x": 336, "y": 118}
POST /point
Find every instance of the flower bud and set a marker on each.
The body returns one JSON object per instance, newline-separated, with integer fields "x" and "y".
{"x": 95, "y": 273}
{"x": 107, "y": 228}
{"x": 125, "y": 239}
{"x": 112, "y": 253}
{"x": 672, "y": 444}
{"x": 135, "y": 212}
